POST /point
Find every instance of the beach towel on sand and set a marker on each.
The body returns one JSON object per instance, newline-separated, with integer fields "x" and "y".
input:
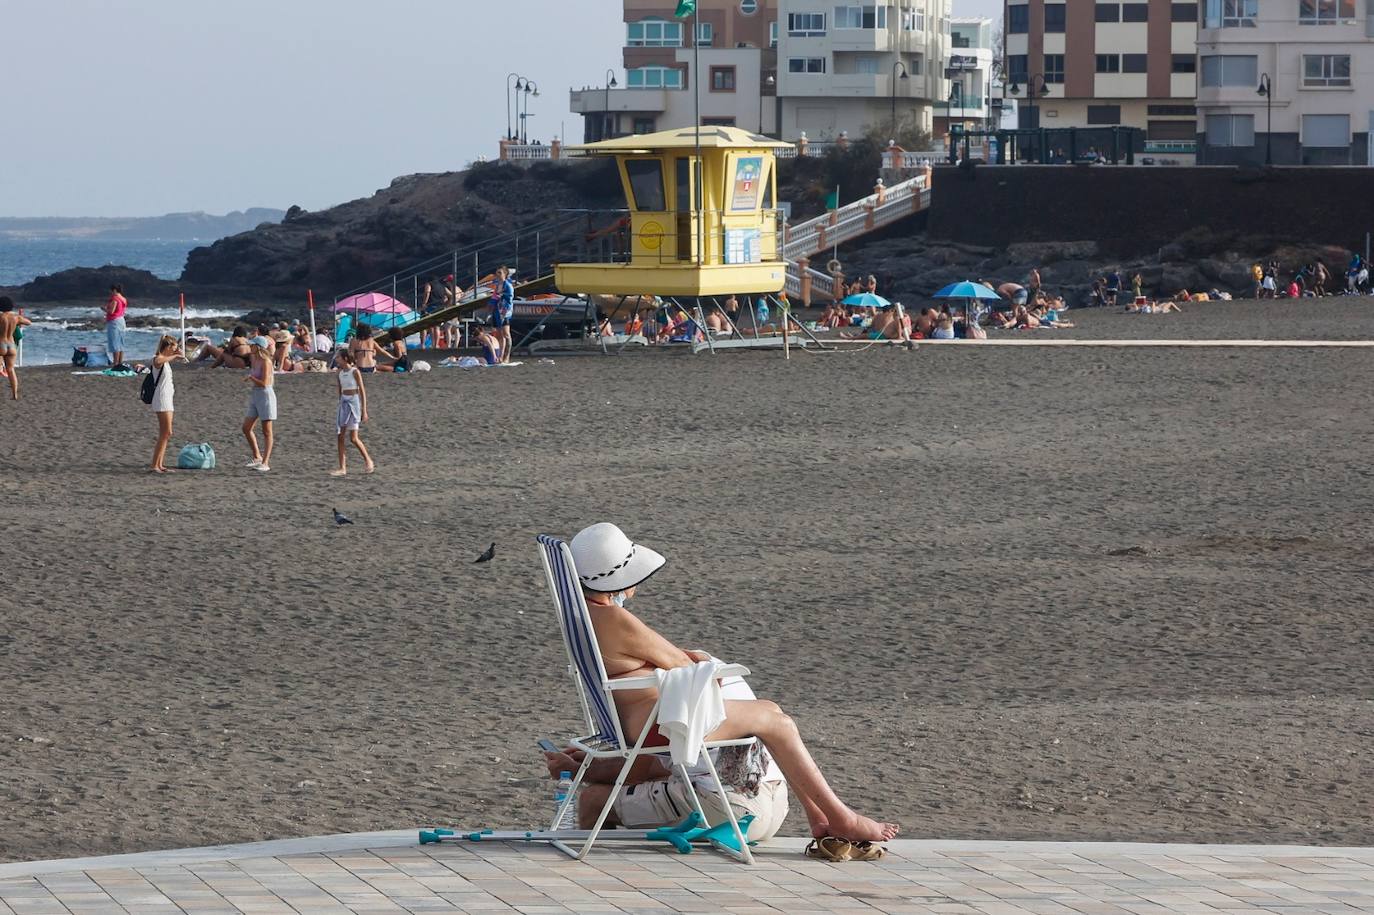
{"x": 690, "y": 707}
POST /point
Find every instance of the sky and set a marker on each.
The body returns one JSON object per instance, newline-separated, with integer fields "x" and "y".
{"x": 145, "y": 107}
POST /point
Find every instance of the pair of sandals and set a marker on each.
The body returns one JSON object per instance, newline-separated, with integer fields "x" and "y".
{"x": 838, "y": 850}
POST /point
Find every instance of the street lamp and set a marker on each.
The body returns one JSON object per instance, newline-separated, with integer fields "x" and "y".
{"x": 519, "y": 85}
{"x": 896, "y": 65}
{"x": 767, "y": 83}
{"x": 949, "y": 117}
{"x": 1267, "y": 91}
{"x": 606, "y": 118}
{"x": 530, "y": 87}
{"x": 1031, "y": 92}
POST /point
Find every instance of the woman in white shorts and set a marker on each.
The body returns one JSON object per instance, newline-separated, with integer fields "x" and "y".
{"x": 168, "y": 351}
{"x": 262, "y": 403}
{"x": 352, "y": 413}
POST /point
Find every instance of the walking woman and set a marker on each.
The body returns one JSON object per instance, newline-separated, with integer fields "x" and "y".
{"x": 352, "y": 413}
{"x": 168, "y": 351}
{"x": 262, "y": 404}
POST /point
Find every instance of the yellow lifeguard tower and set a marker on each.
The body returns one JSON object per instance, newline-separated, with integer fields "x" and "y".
{"x": 703, "y": 217}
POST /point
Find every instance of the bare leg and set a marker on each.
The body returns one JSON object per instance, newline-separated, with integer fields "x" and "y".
{"x": 164, "y": 435}
{"x": 590, "y": 799}
{"x": 13, "y": 375}
{"x": 505, "y": 343}
{"x": 268, "y": 439}
{"x": 252, "y": 439}
{"x": 362, "y": 449}
{"x": 827, "y": 814}
{"x": 343, "y": 455}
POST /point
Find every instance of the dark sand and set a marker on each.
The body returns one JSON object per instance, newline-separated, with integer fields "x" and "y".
{"x": 1008, "y": 593}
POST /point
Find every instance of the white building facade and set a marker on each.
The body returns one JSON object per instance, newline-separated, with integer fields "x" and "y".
{"x": 1314, "y": 60}
{"x": 968, "y": 68}
{"x": 857, "y": 67}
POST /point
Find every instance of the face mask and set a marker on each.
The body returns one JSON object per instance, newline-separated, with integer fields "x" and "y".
{"x": 619, "y": 599}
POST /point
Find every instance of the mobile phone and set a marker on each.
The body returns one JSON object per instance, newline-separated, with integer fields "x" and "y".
{"x": 547, "y": 745}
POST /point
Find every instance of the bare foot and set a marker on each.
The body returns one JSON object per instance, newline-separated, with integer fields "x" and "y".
{"x": 820, "y": 829}
{"x": 860, "y": 828}
{"x": 338, "y": 473}
{"x": 156, "y": 470}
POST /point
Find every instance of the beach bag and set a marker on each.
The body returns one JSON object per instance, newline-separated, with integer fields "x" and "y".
{"x": 197, "y": 457}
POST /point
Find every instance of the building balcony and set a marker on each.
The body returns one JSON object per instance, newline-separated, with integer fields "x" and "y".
{"x": 850, "y": 85}
{"x": 624, "y": 101}
{"x": 861, "y": 40}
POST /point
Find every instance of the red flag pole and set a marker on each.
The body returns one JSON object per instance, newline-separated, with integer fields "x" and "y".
{"x": 310, "y": 295}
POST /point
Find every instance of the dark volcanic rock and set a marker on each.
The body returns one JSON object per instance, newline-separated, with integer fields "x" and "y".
{"x": 94, "y": 283}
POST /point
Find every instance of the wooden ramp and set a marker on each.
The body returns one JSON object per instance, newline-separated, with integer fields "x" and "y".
{"x": 470, "y": 303}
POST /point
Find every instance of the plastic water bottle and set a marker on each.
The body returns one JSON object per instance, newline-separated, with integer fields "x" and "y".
{"x": 565, "y": 785}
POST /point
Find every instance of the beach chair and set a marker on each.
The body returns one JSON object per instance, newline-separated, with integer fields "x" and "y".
{"x": 605, "y": 739}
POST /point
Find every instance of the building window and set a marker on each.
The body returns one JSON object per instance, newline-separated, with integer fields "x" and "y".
{"x": 1172, "y": 111}
{"x": 643, "y": 125}
{"x": 1230, "y": 130}
{"x": 653, "y": 33}
{"x": 1325, "y": 71}
{"x": 861, "y": 17}
{"x": 1054, "y": 68}
{"x": 1018, "y": 19}
{"x": 1183, "y": 12}
{"x": 1184, "y": 63}
{"x": 1326, "y": 130}
{"x": 805, "y": 25}
{"x": 722, "y": 79}
{"x": 1018, "y": 67}
{"x": 868, "y": 66}
{"x": 1132, "y": 63}
{"x": 1230, "y": 70}
{"x": 1325, "y": 12}
{"x": 1171, "y": 130}
{"x": 961, "y": 41}
{"x": 806, "y": 65}
{"x": 1054, "y": 17}
{"x": 705, "y": 34}
{"x": 915, "y": 65}
{"x": 748, "y": 7}
{"x": 717, "y": 122}
{"x": 1108, "y": 63}
{"x": 1108, "y": 12}
{"x": 1135, "y": 12}
{"x": 914, "y": 19}
{"x": 654, "y": 78}
{"x": 773, "y": 34}
{"x": 646, "y": 184}
{"x": 1104, "y": 114}
{"x": 1230, "y": 14}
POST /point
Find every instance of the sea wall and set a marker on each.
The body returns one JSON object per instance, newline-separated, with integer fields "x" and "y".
{"x": 1135, "y": 210}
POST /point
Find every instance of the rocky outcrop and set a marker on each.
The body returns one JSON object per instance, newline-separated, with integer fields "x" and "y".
{"x": 93, "y": 283}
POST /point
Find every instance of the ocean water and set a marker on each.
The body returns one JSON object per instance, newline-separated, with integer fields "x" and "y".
{"x": 56, "y": 331}
{"x": 23, "y": 259}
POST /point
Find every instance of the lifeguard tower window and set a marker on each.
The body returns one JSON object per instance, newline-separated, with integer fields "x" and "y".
{"x": 646, "y": 181}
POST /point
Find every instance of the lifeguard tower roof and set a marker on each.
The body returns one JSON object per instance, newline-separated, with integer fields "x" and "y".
{"x": 702, "y": 217}
{"x": 681, "y": 138}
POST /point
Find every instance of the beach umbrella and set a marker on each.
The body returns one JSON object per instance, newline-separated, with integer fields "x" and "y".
{"x": 865, "y": 300}
{"x": 966, "y": 290}
{"x": 372, "y": 303}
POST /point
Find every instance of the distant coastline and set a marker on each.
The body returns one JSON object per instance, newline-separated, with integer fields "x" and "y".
{"x": 170, "y": 227}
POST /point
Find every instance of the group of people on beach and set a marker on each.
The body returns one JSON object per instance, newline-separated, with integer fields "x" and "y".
{"x": 1312, "y": 279}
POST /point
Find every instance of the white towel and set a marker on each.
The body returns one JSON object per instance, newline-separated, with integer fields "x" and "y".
{"x": 690, "y": 707}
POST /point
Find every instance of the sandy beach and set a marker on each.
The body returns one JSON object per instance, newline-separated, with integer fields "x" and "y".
{"x": 1014, "y": 593}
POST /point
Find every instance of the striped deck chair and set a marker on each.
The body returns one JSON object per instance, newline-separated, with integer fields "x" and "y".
{"x": 605, "y": 739}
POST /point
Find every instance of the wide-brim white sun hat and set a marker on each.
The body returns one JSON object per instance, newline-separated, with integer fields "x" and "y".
{"x": 606, "y": 560}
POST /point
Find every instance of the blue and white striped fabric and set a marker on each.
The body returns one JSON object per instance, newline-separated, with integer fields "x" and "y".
{"x": 577, "y": 629}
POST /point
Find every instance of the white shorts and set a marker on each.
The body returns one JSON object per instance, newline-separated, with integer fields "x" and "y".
{"x": 666, "y": 801}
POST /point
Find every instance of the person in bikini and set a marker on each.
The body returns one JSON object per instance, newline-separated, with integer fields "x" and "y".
{"x": 365, "y": 351}
{"x": 235, "y": 354}
{"x": 10, "y": 321}
{"x": 609, "y": 568}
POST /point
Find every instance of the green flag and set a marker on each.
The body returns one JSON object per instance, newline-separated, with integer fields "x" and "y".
{"x": 832, "y": 200}
{"x": 685, "y": 8}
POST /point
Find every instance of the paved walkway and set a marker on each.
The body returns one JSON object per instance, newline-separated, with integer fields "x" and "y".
{"x": 388, "y": 872}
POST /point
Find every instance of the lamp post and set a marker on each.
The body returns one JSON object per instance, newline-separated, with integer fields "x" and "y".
{"x": 897, "y": 65}
{"x": 606, "y": 130}
{"x": 1267, "y": 91}
{"x": 1032, "y": 90}
{"x": 519, "y": 86}
{"x": 768, "y": 83}
{"x": 530, "y": 87}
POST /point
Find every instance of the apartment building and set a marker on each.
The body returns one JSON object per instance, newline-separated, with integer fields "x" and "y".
{"x": 852, "y": 67}
{"x": 1314, "y": 61}
{"x": 738, "y": 41}
{"x": 968, "y": 68}
{"x": 1085, "y": 63}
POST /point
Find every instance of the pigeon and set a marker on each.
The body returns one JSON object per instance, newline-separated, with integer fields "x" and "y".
{"x": 488, "y": 556}
{"x": 341, "y": 519}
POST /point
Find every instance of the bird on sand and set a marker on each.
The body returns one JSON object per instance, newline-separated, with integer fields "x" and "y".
{"x": 488, "y": 556}
{"x": 341, "y": 519}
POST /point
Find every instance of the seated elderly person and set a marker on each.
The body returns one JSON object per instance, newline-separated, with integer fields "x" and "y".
{"x": 610, "y": 567}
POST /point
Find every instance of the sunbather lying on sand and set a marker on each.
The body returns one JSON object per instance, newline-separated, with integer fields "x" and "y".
{"x": 610, "y": 567}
